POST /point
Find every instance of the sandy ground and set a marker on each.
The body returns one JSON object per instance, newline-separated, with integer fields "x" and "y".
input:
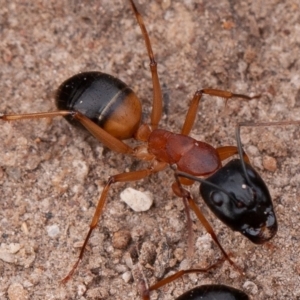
{"x": 51, "y": 174}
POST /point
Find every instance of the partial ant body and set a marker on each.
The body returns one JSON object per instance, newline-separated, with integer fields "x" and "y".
{"x": 118, "y": 117}
{"x": 203, "y": 292}
{"x": 213, "y": 292}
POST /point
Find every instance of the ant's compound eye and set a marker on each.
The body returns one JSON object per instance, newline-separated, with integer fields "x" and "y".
{"x": 217, "y": 198}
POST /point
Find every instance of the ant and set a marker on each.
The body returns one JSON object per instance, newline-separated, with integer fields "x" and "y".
{"x": 117, "y": 116}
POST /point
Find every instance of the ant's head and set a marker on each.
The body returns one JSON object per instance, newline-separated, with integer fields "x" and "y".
{"x": 238, "y": 196}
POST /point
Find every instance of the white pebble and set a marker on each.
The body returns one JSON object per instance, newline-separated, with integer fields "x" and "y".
{"x": 251, "y": 287}
{"x": 13, "y": 248}
{"x": 53, "y": 230}
{"x": 81, "y": 289}
{"x": 7, "y": 252}
{"x": 126, "y": 276}
{"x": 136, "y": 200}
{"x": 204, "y": 242}
{"x": 7, "y": 257}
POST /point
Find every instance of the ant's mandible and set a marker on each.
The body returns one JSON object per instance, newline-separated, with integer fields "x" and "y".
{"x": 111, "y": 112}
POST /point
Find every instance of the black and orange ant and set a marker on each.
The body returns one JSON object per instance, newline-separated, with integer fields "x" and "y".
{"x": 108, "y": 130}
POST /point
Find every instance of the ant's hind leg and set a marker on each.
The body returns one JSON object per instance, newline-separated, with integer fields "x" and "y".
{"x": 100, "y": 134}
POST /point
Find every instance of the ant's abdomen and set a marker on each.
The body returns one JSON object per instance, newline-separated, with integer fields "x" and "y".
{"x": 104, "y": 99}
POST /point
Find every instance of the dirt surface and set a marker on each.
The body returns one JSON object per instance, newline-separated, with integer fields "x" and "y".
{"x": 51, "y": 174}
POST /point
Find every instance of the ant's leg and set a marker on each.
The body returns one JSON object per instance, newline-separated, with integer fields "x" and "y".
{"x": 101, "y": 135}
{"x": 191, "y": 114}
{"x": 193, "y": 108}
{"x": 169, "y": 279}
{"x": 190, "y": 251}
{"x": 228, "y": 151}
{"x": 157, "y": 95}
{"x": 183, "y": 193}
{"x": 123, "y": 177}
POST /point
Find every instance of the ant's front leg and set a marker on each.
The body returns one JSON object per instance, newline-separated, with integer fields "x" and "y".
{"x": 186, "y": 196}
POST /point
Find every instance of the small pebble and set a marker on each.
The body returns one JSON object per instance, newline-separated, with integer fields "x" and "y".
{"x": 7, "y": 257}
{"x": 136, "y": 200}
{"x": 17, "y": 292}
{"x": 270, "y": 163}
{"x": 126, "y": 276}
{"x": 81, "y": 289}
{"x": 251, "y": 287}
{"x": 121, "y": 239}
{"x": 13, "y": 248}
{"x": 53, "y": 230}
{"x": 7, "y": 252}
{"x": 25, "y": 228}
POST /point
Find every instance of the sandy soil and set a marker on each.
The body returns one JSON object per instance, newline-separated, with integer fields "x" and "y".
{"x": 51, "y": 174}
